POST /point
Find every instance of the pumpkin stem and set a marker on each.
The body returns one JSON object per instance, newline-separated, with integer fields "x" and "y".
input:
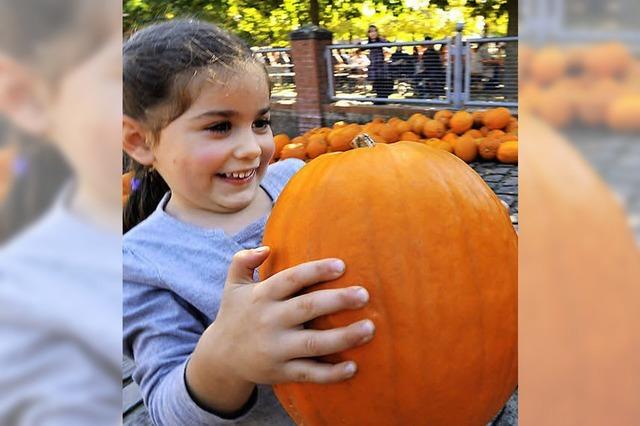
{"x": 363, "y": 140}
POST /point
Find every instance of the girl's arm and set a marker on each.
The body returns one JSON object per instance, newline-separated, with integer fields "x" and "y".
{"x": 160, "y": 333}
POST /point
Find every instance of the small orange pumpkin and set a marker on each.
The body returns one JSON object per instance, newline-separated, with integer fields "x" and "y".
{"x": 293, "y": 150}
{"x": 340, "y": 139}
{"x": 495, "y": 134}
{"x": 496, "y": 118}
{"x": 316, "y": 146}
{"x": 417, "y": 122}
{"x": 443, "y": 115}
{"x": 389, "y": 133}
{"x": 460, "y": 122}
{"x": 451, "y": 138}
{"x": 433, "y": 129}
{"x": 478, "y": 117}
{"x": 409, "y": 136}
{"x": 488, "y": 148}
{"x": 280, "y": 141}
{"x": 466, "y": 149}
{"x": 402, "y": 126}
{"x": 508, "y": 152}
{"x": 474, "y": 133}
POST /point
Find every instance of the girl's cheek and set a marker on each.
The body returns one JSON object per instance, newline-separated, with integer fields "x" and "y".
{"x": 209, "y": 159}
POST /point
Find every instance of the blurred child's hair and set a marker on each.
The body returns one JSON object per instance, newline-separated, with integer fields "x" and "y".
{"x": 164, "y": 67}
{"x": 50, "y": 38}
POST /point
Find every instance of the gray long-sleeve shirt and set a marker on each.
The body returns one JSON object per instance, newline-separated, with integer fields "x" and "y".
{"x": 60, "y": 323}
{"x": 173, "y": 277}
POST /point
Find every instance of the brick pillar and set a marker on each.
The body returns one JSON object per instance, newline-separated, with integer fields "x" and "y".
{"x": 307, "y": 51}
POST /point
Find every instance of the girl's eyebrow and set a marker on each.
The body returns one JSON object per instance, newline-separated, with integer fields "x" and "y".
{"x": 227, "y": 113}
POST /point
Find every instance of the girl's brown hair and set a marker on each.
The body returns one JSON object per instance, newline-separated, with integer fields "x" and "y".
{"x": 164, "y": 66}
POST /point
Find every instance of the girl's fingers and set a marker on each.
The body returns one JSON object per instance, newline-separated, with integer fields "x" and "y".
{"x": 303, "y": 370}
{"x": 290, "y": 281}
{"x": 306, "y": 307}
{"x": 309, "y": 343}
{"x": 243, "y": 264}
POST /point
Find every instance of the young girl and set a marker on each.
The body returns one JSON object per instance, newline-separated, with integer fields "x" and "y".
{"x": 60, "y": 272}
{"x": 201, "y": 331}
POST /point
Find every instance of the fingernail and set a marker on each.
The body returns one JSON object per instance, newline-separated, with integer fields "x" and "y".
{"x": 261, "y": 249}
{"x": 337, "y": 266}
{"x": 361, "y": 294}
{"x": 368, "y": 327}
{"x": 350, "y": 368}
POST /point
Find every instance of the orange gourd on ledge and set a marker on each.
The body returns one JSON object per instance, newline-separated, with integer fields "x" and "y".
{"x": 445, "y": 349}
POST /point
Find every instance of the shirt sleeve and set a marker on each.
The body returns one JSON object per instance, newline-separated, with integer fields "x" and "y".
{"x": 280, "y": 173}
{"x": 160, "y": 332}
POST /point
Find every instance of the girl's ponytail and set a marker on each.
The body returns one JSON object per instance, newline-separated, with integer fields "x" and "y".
{"x": 148, "y": 189}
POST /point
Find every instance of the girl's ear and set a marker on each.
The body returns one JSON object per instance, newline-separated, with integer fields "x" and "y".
{"x": 23, "y": 97}
{"x": 134, "y": 141}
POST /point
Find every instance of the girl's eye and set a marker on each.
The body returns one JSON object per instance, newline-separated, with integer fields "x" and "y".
{"x": 223, "y": 127}
{"x": 262, "y": 124}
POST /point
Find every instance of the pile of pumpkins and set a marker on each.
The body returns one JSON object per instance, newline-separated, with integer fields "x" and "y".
{"x": 592, "y": 85}
{"x": 490, "y": 135}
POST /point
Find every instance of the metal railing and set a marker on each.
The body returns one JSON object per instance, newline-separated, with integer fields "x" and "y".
{"x": 280, "y": 67}
{"x": 414, "y": 73}
{"x": 453, "y": 72}
{"x": 544, "y": 21}
{"x": 456, "y": 72}
{"x": 491, "y": 71}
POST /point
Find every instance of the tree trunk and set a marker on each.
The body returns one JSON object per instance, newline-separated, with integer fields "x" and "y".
{"x": 512, "y": 12}
{"x": 314, "y": 12}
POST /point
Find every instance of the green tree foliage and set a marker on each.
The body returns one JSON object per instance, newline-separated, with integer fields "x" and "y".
{"x": 269, "y": 22}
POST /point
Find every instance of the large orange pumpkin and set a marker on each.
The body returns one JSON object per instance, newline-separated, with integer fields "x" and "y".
{"x": 579, "y": 276}
{"x": 445, "y": 349}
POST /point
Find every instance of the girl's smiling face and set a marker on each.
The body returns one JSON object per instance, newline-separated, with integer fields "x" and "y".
{"x": 214, "y": 155}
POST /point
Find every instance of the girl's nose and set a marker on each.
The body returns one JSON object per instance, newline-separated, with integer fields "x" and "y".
{"x": 248, "y": 146}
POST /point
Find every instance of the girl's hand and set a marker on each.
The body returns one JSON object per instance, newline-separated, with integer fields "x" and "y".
{"x": 258, "y": 336}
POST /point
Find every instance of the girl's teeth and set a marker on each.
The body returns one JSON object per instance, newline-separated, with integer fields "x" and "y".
{"x": 239, "y": 175}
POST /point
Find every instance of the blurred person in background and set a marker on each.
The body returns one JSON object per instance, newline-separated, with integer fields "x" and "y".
{"x": 430, "y": 77}
{"x": 358, "y": 71}
{"x": 378, "y": 72}
{"x": 60, "y": 277}
{"x": 402, "y": 64}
